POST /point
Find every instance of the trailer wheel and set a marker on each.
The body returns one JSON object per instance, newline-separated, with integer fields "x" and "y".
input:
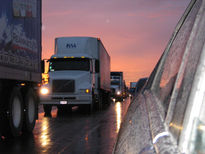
{"x": 47, "y": 109}
{"x": 15, "y": 118}
{"x": 31, "y": 111}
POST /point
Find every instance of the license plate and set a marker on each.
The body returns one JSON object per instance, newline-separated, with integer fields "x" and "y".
{"x": 63, "y": 102}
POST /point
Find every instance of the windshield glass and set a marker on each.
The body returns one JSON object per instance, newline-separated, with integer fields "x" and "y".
{"x": 115, "y": 82}
{"x": 60, "y": 64}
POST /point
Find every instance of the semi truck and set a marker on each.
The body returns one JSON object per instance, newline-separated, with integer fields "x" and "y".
{"x": 20, "y": 65}
{"x": 79, "y": 75}
{"x": 117, "y": 85}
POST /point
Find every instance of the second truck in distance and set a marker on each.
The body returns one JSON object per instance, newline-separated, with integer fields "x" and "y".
{"x": 117, "y": 86}
{"x": 79, "y": 75}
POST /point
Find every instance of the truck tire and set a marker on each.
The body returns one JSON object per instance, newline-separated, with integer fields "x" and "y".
{"x": 15, "y": 118}
{"x": 47, "y": 109}
{"x": 31, "y": 111}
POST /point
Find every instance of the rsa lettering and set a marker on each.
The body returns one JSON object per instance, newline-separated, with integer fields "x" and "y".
{"x": 71, "y": 45}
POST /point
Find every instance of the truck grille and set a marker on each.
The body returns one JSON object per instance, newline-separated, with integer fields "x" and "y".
{"x": 63, "y": 86}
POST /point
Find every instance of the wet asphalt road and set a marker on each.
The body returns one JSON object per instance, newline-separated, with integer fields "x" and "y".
{"x": 73, "y": 133}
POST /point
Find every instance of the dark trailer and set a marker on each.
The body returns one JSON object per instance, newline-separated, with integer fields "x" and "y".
{"x": 20, "y": 64}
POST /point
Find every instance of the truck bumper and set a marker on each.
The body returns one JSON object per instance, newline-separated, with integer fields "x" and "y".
{"x": 66, "y": 99}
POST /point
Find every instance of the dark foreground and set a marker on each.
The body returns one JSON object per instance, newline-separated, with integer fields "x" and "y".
{"x": 72, "y": 133}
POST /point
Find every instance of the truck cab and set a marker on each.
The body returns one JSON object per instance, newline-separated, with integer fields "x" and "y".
{"x": 71, "y": 81}
{"x": 74, "y": 76}
{"x": 117, "y": 85}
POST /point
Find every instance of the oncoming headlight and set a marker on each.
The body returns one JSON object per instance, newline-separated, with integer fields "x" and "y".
{"x": 118, "y": 92}
{"x": 44, "y": 91}
{"x": 87, "y": 91}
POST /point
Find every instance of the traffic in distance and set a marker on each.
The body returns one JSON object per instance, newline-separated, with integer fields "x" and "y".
{"x": 78, "y": 72}
{"x": 166, "y": 112}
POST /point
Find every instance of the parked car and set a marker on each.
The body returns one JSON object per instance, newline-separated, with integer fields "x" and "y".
{"x": 168, "y": 114}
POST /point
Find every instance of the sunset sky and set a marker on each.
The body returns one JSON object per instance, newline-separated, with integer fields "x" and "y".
{"x": 134, "y": 32}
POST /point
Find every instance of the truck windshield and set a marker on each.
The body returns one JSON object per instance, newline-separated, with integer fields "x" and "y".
{"x": 115, "y": 82}
{"x": 60, "y": 64}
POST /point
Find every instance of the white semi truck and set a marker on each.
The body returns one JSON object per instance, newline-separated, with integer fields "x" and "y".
{"x": 117, "y": 85}
{"x": 79, "y": 75}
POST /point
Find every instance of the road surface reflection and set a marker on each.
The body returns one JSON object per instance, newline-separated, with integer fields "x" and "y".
{"x": 75, "y": 132}
{"x": 118, "y": 113}
{"x": 44, "y": 139}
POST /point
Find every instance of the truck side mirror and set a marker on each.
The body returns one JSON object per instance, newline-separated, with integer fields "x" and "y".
{"x": 42, "y": 66}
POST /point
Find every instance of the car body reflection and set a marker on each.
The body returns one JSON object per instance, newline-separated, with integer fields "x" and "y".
{"x": 168, "y": 113}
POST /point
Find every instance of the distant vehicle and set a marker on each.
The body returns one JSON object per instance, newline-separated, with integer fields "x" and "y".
{"x": 140, "y": 84}
{"x": 168, "y": 115}
{"x": 79, "y": 75}
{"x": 20, "y": 65}
{"x": 132, "y": 87}
{"x": 117, "y": 85}
{"x": 125, "y": 93}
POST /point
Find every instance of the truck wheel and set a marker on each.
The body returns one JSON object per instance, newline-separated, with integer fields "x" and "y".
{"x": 15, "y": 118}
{"x": 31, "y": 111}
{"x": 47, "y": 109}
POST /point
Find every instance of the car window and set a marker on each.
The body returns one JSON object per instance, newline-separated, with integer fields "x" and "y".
{"x": 185, "y": 78}
{"x": 169, "y": 70}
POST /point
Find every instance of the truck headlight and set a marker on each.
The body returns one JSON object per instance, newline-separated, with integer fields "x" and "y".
{"x": 118, "y": 92}
{"x": 44, "y": 91}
